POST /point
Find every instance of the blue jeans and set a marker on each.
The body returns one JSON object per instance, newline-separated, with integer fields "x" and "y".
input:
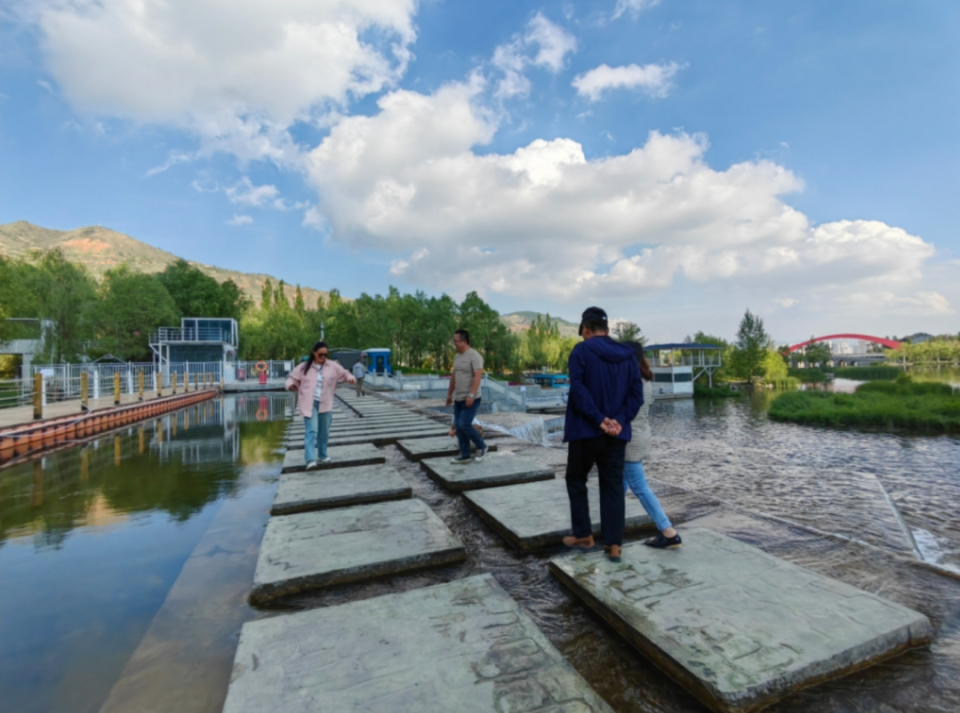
{"x": 316, "y": 433}
{"x": 634, "y": 479}
{"x": 463, "y": 423}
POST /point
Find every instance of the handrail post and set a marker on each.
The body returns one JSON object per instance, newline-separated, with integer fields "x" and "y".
{"x": 84, "y": 396}
{"x": 37, "y": 396}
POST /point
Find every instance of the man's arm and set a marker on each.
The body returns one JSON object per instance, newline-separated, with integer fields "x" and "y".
{"x": 579, "y": 396}
{"x": 475, "y": 385}
{"x": 453, "y": 381}
{"x": 634, "y": 400}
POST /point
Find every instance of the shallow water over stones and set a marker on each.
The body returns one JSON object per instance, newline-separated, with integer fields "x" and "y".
{"x": 199, "y": 500}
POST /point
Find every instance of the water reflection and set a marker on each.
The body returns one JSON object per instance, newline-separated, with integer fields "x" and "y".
{"x": 92, "y": 538}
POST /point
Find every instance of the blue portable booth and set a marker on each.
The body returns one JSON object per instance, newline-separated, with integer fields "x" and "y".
{"x": 378, "y": 361}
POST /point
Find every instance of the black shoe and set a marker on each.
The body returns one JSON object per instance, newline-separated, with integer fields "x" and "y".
{"x": 664, "y": 543}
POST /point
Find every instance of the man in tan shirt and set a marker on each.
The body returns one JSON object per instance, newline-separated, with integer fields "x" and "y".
{"x": 464, "y": 394}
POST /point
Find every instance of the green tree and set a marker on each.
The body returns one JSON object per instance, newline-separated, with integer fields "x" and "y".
{"x": 817, "y": 354}
{"x": 64, "y": 293}
{"x": 131, "y": 306}
{"x": 750, "y": 348}
{"x": 628, "y": 332}
{"x": 542, "y": 341}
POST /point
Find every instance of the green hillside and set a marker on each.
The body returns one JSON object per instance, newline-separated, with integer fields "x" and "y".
{"x": 101, "y": 249}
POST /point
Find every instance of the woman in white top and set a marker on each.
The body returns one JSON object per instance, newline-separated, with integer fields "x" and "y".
{"x": 637, "y": 449}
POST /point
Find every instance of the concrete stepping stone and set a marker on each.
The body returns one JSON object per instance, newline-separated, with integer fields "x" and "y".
{"x": 420, "y": 448}
{"x": 495, "y": 469}
{"x": 535, "y": 515}
{"x": 311, "y": 550}
{"x": 735, "y": 626}
{"x": 343, "y": 457}
{"x": 384, "y": 439}
{"x": 380, "y": 439}
{"x": 463, "y": 646}
{"x": 338, "y": 487}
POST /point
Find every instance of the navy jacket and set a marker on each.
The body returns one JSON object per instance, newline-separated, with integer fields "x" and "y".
{"x": 605, "y": 382}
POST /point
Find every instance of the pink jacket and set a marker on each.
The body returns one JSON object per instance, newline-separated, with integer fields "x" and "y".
{"x": 306, "y": 383}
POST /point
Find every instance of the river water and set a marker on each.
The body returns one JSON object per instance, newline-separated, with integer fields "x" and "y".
{"x": 124, "y": 563}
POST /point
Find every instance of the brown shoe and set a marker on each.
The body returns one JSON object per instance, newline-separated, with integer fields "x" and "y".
{"x": 581, "y": 543}
{"x": 613, "y": 552}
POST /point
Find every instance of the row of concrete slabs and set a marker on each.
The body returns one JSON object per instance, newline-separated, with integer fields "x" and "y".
{"x": 735, "y": 626}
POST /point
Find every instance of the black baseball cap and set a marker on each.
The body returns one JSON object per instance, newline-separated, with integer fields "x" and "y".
{"x": 592, "y": 314}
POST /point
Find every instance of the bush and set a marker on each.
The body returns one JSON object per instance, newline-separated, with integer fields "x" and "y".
{"x": 809, "y": 376}
{"x": 867, "y": 373}
{"x": 785, "y": 383}
{"x": 903, "y": 404}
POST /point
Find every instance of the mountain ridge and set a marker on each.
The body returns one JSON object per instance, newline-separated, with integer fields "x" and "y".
{"x": 101, "y": 249}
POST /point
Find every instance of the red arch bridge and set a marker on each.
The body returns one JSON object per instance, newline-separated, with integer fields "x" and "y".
{"x": 889, "y": 343}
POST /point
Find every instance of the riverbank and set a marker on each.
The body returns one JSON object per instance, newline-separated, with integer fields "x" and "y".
{"x": 904, "y": 404}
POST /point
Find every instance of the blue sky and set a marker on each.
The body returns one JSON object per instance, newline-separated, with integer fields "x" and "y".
{"x": 675, "y": 162}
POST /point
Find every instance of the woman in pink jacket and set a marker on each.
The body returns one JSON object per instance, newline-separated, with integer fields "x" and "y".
{"x": 315, "y": 381}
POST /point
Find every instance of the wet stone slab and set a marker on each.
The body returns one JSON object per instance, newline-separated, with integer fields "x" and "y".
{"x": 383, "y": 439}
{"x": 534, "y": 515}
{"x": 379, "y": 438}
{"x": 420, "y": 448}
{"x": 338, "y": 487}
{"x": 319, "y": 549}
{"x": 343, "y": 457}
{"x": 735, "y": 626}
{"x": 495, "y": 469}
{"x": 463, "y": 646}
{"x": 358, "y": 426}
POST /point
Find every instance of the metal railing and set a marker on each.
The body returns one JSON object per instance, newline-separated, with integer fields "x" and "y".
{"x": 247, "y": 370}
{"x": 191, "y": 334}
{"x": 705, "y": 359}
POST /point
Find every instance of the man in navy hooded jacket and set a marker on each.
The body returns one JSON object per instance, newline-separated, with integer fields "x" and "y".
{"x": 606, "y": 392}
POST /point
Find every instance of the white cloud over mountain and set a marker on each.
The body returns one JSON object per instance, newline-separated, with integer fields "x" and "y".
{"x": 543, "y": 221}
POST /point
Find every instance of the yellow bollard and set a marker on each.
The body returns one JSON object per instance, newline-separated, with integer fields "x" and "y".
{"x": 116, "y": 388}
{"x": 186, "y": 382}
{"x": 140, "y": 384}
{"x": 84, "y": 396}
{"x": 37, "y": 397}
{"x": 159, "y": 379}
{"x": 196, "y": 377}
{"x": 173, "y": 381}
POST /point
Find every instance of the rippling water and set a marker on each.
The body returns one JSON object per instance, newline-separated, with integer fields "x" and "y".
{"x": 125, "y": 564}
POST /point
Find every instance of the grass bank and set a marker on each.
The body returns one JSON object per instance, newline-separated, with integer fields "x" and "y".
{"x": 867, "y": 373}
{"x": 809, "y": 376}
{"x": 902, "y": 404}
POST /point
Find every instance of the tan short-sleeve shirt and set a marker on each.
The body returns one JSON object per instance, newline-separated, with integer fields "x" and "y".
{"x": 464, "y": 365}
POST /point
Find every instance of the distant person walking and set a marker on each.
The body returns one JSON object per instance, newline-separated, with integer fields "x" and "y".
{"x": 464, "y": 393}
{"x": 637, "y": 451}
{"x": 359, "y": 373}
{"x": 606, "y": 392}
{"x": 315, "y": 382}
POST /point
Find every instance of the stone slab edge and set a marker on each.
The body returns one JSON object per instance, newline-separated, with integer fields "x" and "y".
{"x": 695, "y": 686}
{"x": 454, "y": 449}
{"x": 376, "y": 496}
{"x": 548, "y": 539}
{"x": 492, "y": 481}
{"x": 372, "y": 460}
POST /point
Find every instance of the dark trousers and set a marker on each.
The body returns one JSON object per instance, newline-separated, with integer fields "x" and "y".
{"x": 463, "y": 423}
{"x": 607, "y": 453}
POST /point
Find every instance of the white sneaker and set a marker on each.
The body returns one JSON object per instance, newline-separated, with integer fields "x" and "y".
{"x": 312, "y": 465}
{"x": 480, "y": 454}
{"x": 328, "y": 459}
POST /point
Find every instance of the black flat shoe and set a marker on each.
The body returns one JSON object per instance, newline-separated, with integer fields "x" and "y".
{"x": 664, "y": 543}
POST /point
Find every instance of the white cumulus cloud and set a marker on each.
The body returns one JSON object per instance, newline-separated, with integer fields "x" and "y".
{"x": 240, "y": 220}
{"x": 552, "y": 43}
{"x": 237, "y": 74}
{"x": 654, "y": 79}
{"x": 245, "y": 193}
{"x": 634, "y": 7}
{"x": 544, "y": 221}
